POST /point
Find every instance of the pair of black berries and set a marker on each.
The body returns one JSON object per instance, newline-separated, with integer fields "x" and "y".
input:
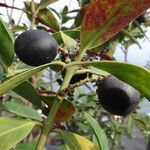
{"x": 35, "y": 47}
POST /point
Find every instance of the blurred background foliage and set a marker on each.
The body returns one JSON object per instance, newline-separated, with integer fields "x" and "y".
{"x": 84, "y": 97}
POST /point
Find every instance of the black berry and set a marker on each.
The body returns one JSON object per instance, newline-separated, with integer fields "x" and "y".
{"x": 141, "y": 19}
{"x": 35, "y": 47}
{"x": 116, "y": 96}
{"x": 77, "y": 77}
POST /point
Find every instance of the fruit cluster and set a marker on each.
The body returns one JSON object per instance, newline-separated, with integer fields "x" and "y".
{"x": 35, "y": 47}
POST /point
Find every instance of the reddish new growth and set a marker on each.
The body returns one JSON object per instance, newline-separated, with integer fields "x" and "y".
{"x": 124, "y": 15}
{"x": 110, "y": 16}
{"x": 96, "y": 13}
{"x": 65, "y": 114}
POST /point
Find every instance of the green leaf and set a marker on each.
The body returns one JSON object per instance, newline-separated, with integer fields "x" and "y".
{"x": 26, "y": 146}
{"x": 32, "y": 146}
{"x": 13, "y": 131}
{"x": 45, "y": 3}
{"x": 103, "y": 19}
{"x": 136, "y": 23}
{"x": 97, "y": 71}
{"x": 18, "y": 79}
{"x": 46, "y": 17}
{"x": 136, "y": 76}
{"x": 6, "y": 45}
{"x": 18, "y": 28}
{"x": 98, "y": 132}
{"x": 71, "y": 33}
{"x": 68, "y": 41}
{"x": 65, "y": 10}
{"x": 94, "y": 140}
{"x": 129, "y": 124}
{"x": 76, "y": 142}
{"x": 147, "y": 24}
{"x": 2, "y": 73}
{"x": 21, "y": 110}
{"x": 27, "y": 91}
{"x": 64, "y": 15}
{"x": 129, "y": 35}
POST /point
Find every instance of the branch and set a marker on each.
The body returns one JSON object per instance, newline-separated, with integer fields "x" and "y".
{"x": 12, "y": 7}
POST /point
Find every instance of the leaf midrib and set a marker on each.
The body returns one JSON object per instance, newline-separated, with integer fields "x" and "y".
{"x": 30, "y": 123}
{"x": 69, "y": 140}
{"x": 103, "y": 27}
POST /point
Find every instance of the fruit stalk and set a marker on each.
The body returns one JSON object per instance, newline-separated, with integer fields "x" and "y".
{"x": 33, "y": 15}
{"x": 82, "y": 82}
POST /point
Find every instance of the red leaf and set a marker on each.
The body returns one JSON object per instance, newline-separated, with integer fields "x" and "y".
{"x": 105, "y": 56}
{"x": 66, "y": 110}
{"x": 104, "y": 18}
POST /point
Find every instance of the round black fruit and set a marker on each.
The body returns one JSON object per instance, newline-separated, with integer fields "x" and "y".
{"x": 35, "y": 47}
{"x": 116, "y": 96}
{"x": 77, "y": 77}
{"x": 141, "y": 19}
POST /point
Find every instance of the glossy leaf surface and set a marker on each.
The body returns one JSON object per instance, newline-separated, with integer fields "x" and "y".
{"x": 75, "y": 34}
{"x": 68, "y": 41}
{"x": 6, "y": 45}
{"x": 27, "y": 91}
{"x": 45, "y": 3}
{"x": 18, "y": 79}
{"x": 13, "y": 131}
{"x": 100, "y": 135}
{"x": 76, "y": 142}
{"x": 21, "y": 110}
{"x": 136, "y": 76}
{"x": 46, "y": 17}
{"x": 26, "y": 146}
{"x": 104, "y": 18}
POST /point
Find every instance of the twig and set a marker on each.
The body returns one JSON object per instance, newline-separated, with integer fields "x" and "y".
{"x": 11, "y": 13}
{"x": 33, "y": 15}
{"x": 6, "y": 10}
{"x": 7, "y": 6}
{"x": 20, "y": 18}
{"x": 47, "y": 92}
{"x": 73, "y": 86}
